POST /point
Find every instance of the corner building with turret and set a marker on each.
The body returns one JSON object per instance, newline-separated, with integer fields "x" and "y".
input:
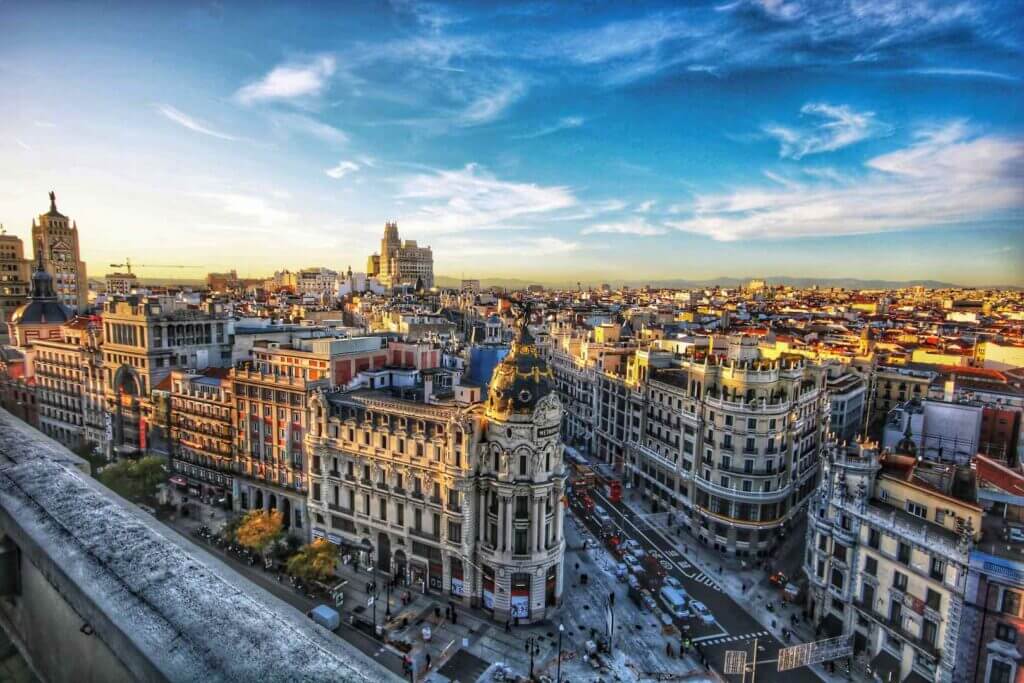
{"x": 447, "y": 493}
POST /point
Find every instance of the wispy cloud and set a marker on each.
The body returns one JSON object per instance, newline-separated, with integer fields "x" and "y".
{"x": 307, "y": 125}
{"x": 248, "y": 206}
{"x": 964, "y": 73}
{"x": 21, "y": 143}
{"x": 186, "y": 121}
{"x": 770, "y": 34}
{"x": 289, "y": 81}
{"x": 488, "y": 106}
{"x": 342, "y": 169}
{"x": 472, "y": 198}
{"x": 564, "y": 123}
{"x": 948, "y": 176}
{"x": 834, "y": 127}
{"x": 645, "y": 207}
{"x": 510, "y": 247}
{"x": 638, "y": 227}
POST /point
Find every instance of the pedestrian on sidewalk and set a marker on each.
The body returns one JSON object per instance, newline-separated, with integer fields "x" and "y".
{"x": 508, "y": 626}
{"x": 428, "y": 660}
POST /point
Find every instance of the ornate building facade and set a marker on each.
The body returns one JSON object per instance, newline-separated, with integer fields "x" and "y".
{"x": 143, "y": 340}
{"x": 462, "y": 500}
{"x": 888, "y": 544}
{"x": 401, "y": 263}
{"x": 57, "y": 239}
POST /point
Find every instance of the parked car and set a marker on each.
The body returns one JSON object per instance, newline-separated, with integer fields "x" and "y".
{"x": 631, "y": 562}
{"x": 701, "y": 610}
{"x": 673, "y": 582}
{"x": 621, "y": 571}
{"x": 326, "y": 616}
{"x": 1016, "y": 534}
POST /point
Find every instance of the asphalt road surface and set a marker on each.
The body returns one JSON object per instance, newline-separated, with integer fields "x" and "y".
{"x": 733, "y": 629}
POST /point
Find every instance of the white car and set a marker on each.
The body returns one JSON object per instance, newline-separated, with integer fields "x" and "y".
{"x": 673, "y": 582}
{"x": 631, "y": 562}
{"x": 631, "y": 544}
{"x": 702, "y": 611}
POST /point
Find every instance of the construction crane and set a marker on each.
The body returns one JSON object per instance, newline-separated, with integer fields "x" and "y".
{"x": 128, "y": 264}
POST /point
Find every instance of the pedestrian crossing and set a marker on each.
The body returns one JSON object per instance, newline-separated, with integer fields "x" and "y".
{"x": 731, "y": 639}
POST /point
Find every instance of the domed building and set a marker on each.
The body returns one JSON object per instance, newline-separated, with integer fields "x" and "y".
{"x": 456, "y": 497}
{"x": 521, "y": 487}
{"x": 42, "y": 315}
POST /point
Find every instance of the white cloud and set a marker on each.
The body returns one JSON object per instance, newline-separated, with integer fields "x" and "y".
{"x": 183, "y": 119}
{"x": 306, "y": 125}
{"x": 948, "y": 176}
{"x": 645, "y": 207}
{"x": 342, "y": 169}
{"x": 491, "y": 103}
{"x": 963, "y": 73}
{"x": 471, "y": 198}
{"x": 631, "y": 227}
{"x": 21, "y": 143}
{"x": 290, "y": 81}
{"x": 564, "y": 123}
{"x": 838, "y": 126}
{"x": 460, "y": 248}
{"x": 249, "y": 206}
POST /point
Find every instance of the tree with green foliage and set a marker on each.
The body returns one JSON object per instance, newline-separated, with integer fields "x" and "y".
{"x": 136, "y": 480}
{"x": 259, "y": 530}
{"x": 315, "y": 562}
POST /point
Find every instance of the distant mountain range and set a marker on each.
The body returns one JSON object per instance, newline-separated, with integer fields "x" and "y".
{"x": 675, "y": 283}
{"x": 847, "y": 283}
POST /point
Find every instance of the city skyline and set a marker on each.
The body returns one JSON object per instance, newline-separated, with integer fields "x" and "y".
{"x": 532, "y": 141}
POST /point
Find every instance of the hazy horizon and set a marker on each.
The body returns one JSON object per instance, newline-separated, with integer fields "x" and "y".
{"x": 529, "y": 141}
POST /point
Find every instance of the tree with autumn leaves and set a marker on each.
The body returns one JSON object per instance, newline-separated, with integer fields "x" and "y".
{"x": 314, "y": 562}
{"x": 259, "y": 530}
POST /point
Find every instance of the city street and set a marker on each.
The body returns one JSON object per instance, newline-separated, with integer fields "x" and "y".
{"x": 734, "y": 628}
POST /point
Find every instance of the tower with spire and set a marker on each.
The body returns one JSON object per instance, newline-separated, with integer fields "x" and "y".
{"x": 55, "y": 237}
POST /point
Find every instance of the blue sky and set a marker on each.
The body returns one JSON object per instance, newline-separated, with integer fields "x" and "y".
{"x": 598, "y": 141}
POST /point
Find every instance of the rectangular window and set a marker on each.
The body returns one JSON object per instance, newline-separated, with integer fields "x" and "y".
{"x": 400, "y": 514}
{"x": 1006, "y": 633}
{"x": 874, "y": 538}
{"x": 903, "y": 554}
{"x": 520, "y": 542}
{"x": 384, "y": 509}
{"x": 871, "y": 566}
{"x": 1010, "y": 603}
{"x": 917, "y": 509}
{"x": 938, "y": 569}
{"x": 899, "y": 581}
{"x": 933, "y": 600}
{"x": 454, "y": 532}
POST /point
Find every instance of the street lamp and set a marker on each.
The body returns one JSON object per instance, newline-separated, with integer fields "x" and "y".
{"x": 561, "y": 630}
{"x": 533, "y": 647}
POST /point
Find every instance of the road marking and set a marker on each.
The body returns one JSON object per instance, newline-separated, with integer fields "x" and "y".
{"x": 718, "y": 640}
{"x": 714, "y": 585}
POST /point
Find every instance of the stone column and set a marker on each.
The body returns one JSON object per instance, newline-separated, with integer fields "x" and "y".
{"x": 508, "y": 524}
{"x": 538, "y": 506}
{"x": 559, "y": 514}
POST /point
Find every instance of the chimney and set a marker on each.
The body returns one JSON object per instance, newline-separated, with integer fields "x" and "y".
{"x": 428, "y": 388}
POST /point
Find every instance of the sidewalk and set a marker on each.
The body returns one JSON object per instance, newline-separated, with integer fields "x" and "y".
{"x": 747, "y": 585}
